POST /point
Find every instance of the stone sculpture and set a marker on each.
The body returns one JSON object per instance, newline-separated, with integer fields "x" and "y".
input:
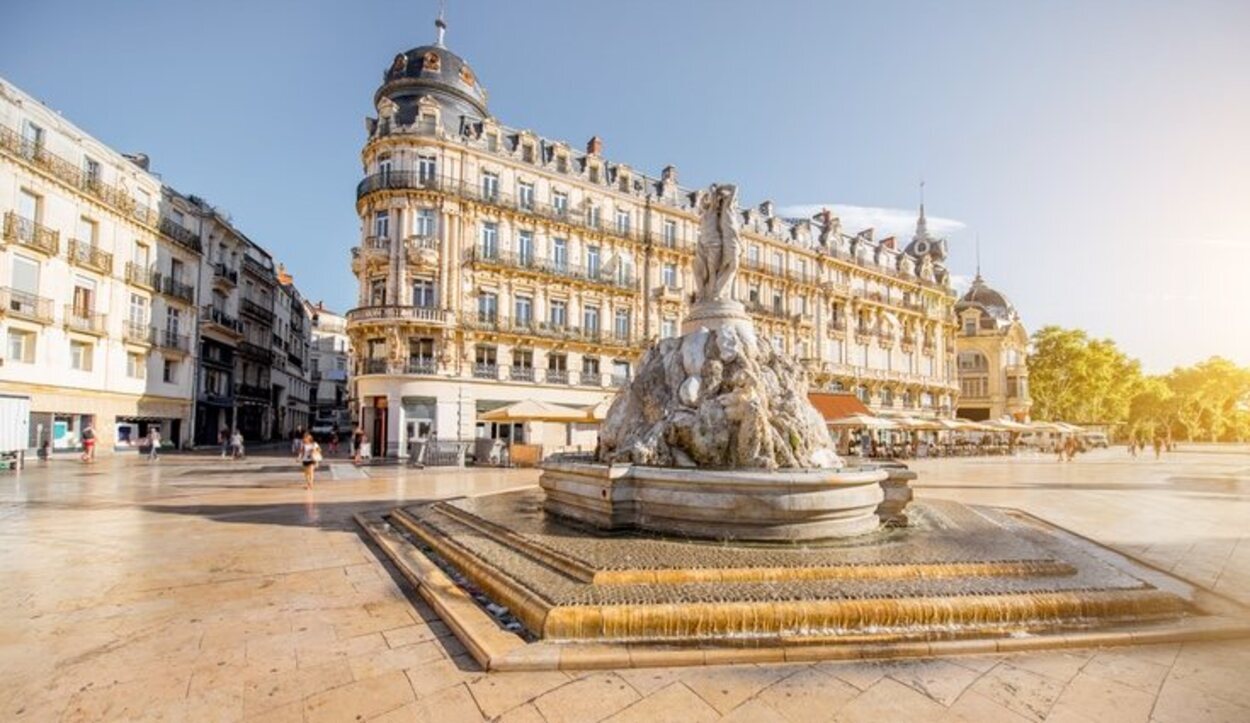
{"x": 717, "y": 397}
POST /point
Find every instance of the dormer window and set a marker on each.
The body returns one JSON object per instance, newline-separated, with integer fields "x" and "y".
{"x": 593, "y": 174}
{"x": 562, "y": 163}
{"x": 970, "y": 326}
{"x": 492, "y": 142}
{"x": 623, "y": 184}
{"x": 527, "y": 152}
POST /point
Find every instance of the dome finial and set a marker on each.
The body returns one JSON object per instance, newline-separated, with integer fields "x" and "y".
{"x": 978, "y": 278}
{"x": 440, "y": 23}
{"x": 922, "y": 225}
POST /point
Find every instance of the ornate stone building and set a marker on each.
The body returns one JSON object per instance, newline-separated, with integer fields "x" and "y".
{"x": 329, "y": 359}
{"x": 97, "y": 286}
{"x": 992, "y": 348}
{"x": 496, "y": 265}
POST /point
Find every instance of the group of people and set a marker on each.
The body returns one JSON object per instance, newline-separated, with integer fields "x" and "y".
{"x": 1137, "y": 446}
{"x": 231, "y": 443}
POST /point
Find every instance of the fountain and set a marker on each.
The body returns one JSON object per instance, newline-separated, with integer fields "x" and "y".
{"x": 716, "y": 524}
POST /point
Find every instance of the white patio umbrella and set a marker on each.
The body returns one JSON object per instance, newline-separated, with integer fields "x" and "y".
{"x": 862, "y": 421}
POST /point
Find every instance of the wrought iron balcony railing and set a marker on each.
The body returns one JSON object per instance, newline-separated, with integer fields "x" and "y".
{"x": 210, "y": 314}
{"x": 139, "y": 275}
{"x": 24, "y": 231}
{"x": 138, "y": 333}
{"x": 173, "y": 341}
{"x": 254, "y": 309}
{"x": 88, "y": 256}
{"x": 170, "y": 286}
{"x": 543, "y": 329}
{"x": 413, "y": 313}
{"x": 85, "y": 320}
{"x": 181, "y": 234}
{"x": 25, "y": 305}
{"x": 225, "y": 274}
{"x": 559, "y": 268}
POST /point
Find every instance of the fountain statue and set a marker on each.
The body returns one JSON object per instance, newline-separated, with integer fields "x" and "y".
{"x": 717, "y": 396}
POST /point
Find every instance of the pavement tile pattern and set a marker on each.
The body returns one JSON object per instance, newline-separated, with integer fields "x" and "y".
{"x": 173, "y": 591}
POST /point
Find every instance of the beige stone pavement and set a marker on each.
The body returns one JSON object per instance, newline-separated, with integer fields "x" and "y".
{"x": 196, "y": 589}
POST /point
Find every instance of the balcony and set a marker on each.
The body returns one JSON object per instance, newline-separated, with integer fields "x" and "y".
{"x": 213, "y": 316}
{"x": 590, "y": 379}
{"x": 171, "y": 287}
{"x": 25, "y": 232}
{"x": 88, "y": 256}
{"x": 668, "y": 292}
{"x": 181, "y": 235}
{"x": 252, "y": 391}
{"x": 172, "y": 341}
{"x": 521, "y": 373}
{"x": 257, "y": 269}
{"x": 85, "y": 320}
{"x": 429, "y": 314}
{"x": 837, "y": 327}
{"x": 71, "y": 174}
{"x": 560, "y": 269}
{"x": 421, "y": 366}
{"x": 542, "y": 329}
{"x": 223, "y": 274}
{"x": 485, "y": 371}
{"x": 416, "y": 181}
{"x": 136, "y": 333}
{"x": 256, "y": 352}
{"x": 256, "y": 311}
{"x": 21, "y": 305}
{"x": 775, "y": 312}
{"x": 376, "y": 366}
{"x": 557, "y": 376}
{"x": 137, "y": 275}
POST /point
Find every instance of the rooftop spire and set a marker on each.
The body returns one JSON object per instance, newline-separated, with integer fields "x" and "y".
{"x": 978, "y": 279}
{"x": 440, "y": 23}
{"x": 922, "y": 225}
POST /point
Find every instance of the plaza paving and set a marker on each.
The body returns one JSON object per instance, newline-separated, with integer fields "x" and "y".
{"x": 198, "y": 589}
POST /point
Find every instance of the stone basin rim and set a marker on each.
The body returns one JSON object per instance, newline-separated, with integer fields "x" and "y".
{"x": 733, "y": 476}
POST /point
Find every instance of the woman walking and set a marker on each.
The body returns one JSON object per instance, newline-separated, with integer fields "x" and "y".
{"x": 309, "y": 457}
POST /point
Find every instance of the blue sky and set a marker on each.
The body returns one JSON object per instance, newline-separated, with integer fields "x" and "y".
{"x": 1101, "y": 151}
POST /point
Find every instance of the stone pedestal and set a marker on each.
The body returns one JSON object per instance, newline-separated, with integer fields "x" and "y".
{"x": 716, "y": 315}
{"x": 793, "y": 505}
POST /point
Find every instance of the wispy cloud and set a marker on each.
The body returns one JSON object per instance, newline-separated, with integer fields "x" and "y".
{"x": 900, "y": 222}
{"x": 960, "y": 283}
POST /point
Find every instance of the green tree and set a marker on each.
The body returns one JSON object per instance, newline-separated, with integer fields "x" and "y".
{"x": 1212, "y": 398}
{"x": 1078, "y": 379}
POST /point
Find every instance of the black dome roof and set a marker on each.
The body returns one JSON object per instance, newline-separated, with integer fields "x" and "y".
{"x": 433, "y": 70}
{"x": 988, "y": 300}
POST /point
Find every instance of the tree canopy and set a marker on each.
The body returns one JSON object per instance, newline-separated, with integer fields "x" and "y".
{"x": 1075, "y": 378}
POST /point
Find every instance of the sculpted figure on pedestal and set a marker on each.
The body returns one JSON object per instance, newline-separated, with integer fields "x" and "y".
{"x": 720, "y": 244}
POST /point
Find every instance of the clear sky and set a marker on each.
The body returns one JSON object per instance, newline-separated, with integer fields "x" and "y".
{"x": 1100, "y": 150}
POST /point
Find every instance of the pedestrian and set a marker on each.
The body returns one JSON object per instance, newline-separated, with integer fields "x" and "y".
{"x": 297, "y": 441}
{"x": 309, "y": 457}
{"x": 358, "y": 443}
{"x": 1132, "y": 447}
{"x": 154, "y": 443}
{"x": 1061, "y": 447}
{"x": 1071, "y": 448}
{"x": 1158, "y": 445}
{"x": 223, "y": 438}
{"x": 236, "y": 445}
{"x": 88, "y": 444}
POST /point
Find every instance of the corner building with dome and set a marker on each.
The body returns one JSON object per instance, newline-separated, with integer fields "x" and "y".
{"x": 992, "y": 356}
{"x": 497, "y": 266}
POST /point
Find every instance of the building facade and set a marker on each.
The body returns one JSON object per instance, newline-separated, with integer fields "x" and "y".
{"x": 330, "y": 356}
{"x": 291, "y": 369}
{"x": 96, "y": 286}
{"x": 496, "y": 266}
{"x": 992, "y": 348}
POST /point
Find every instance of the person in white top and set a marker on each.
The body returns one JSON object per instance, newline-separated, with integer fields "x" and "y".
{"x": 154, "y": 443}
{"x": 309, "y": 458}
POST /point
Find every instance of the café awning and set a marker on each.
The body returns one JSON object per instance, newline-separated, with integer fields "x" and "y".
{"x": 534, "y": 411}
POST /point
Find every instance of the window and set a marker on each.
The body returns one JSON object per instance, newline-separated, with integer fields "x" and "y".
{"x": 668, "y": 328}
{"x": 29, "y": 206}
{"x": 887, "y": 397}
{"x": 143, "y": 199}
{"x": 973, "y": 361}
{"x": 421, "y": 355}
{"x": 485, "y": 361}
{"x": 669, "y": 275}
{"x": 527, "y": 152}
{"x": 621, "y": 324}
{"x": 753, "y": 295}
{"x": 382, "y": 224}
{"x": 487, "y": 306}
{"x": 492, "y": 142}
{"x": 803, "y": 304}
{"x": 25, "y": 280}
{"x": 490, "y": 186}
{"x": 590, "y": 369}
{"x": 21, "y": 346}
{"x": 143, "y": 255}
{"x": 80, "y": 353}
{"x": 778, "y": 263}
{"x": 559, "y": 313}
{"x": 525, "y": 196}
{"x": 622, "y": 221}
{"x": 974, "y": 387}
{"x": 561, "y": 202}
{"x": 560, "y": 254}
{"x": 32, "y": 139}
{"x": 593, "y": 174}
{"x": 620, "y": 371}
{"x": 970, "y": 326}
{"x": 377, "y": 292}
{"x": 523, "y": 364}
{"x": 525, "y": 247}
{"x": 590, "y": 319}
{"x": 557, "y": 362}
{"x": 670, "y": 233}
{"x": 592, "y": 216}
{"x": 384, "y": 165}
{"x": 562, "y": 163}
{"x": 427, "y": 225}
{"x": 524, "y": 310}
{"x": 753, "y": 255}
{"x": 136, "y": 365}
{"x": 592, "y": 260}
{"x": 427, "y": 168}
{"x": 779, "y": 306}
{"x": 423, "y": 293}
{"x": 623, "y": 184}
{"x": 84, "y": 297}
{"x": 138, "y": 310}
{"x": 490, "y": 241}
{"x": 88, "y": 231}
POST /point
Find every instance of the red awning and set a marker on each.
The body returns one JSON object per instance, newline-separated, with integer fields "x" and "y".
{"x": 836, "y": 405}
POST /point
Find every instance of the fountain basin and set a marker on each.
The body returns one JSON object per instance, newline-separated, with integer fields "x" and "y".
{"x": 746, "y": 505}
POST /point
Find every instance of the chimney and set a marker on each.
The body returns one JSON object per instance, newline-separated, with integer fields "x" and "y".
{"x": 594, "y": 146}
{"x": 669, "y": 174}
{"x": 139, "y": 159}
{"x": 766, "y": 209}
